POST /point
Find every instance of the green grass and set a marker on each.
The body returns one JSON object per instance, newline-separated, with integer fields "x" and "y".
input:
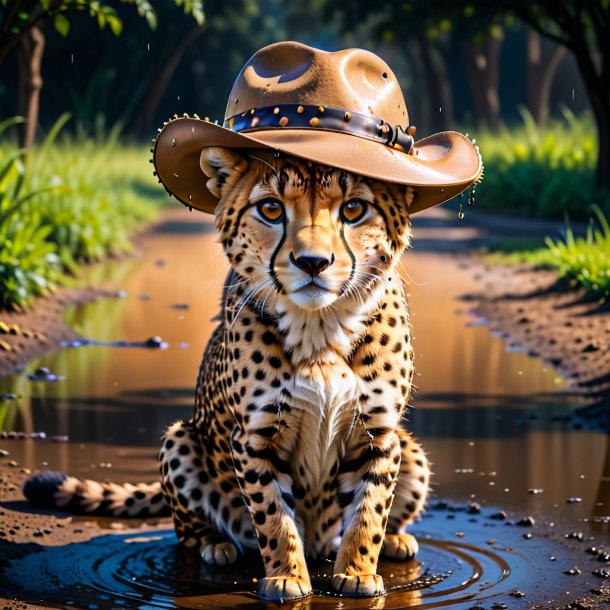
{"x": 68, "y": 201}
{"x": 583, "y": 261}
{"x": 538, "y": 171}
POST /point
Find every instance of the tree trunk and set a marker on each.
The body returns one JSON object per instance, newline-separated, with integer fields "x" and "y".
{"x": 598, "y": 92}
{"x": 482, "y": 69}
{"x": 30, "y": 82}
{"x": 539, "y": 76}
{"x": 161, "y": 81}
{"x": 440, "y": 97}
{"x": 602, "y": 118}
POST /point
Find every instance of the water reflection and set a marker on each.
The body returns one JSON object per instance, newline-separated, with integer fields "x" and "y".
{"x": 470, "y": 388}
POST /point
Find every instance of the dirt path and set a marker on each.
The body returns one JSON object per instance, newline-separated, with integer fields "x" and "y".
{"x": 473, "y": 413}
{"x": 27, "y": 334}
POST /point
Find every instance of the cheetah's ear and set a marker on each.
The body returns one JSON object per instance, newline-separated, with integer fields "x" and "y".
{"x": 223, "y": 166}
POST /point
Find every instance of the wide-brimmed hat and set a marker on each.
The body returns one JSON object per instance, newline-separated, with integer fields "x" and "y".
{"x": 343, "y": 109}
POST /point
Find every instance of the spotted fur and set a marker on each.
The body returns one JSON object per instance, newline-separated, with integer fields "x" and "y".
{"x": 297, "y": 444}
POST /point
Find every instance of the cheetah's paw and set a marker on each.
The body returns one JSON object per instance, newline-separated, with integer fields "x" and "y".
{"x": 399, "y": 546}
{"x": 279, "y": 588}
{"x": 359, "y": 585}
{"x": 219, "y": 554}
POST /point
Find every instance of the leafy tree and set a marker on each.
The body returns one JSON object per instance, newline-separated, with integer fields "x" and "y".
{"x": 22, "y": 25}
{"x": 583, "y": 26}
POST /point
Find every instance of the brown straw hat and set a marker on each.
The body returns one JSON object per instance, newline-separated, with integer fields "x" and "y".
{"x": 342, "y": 109}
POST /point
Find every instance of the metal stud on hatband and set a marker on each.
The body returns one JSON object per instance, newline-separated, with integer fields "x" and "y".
{"x": 252, "y": 111}
{"x": 300, "y": 109}
{"x": 276, "y": 110}
{"x": 347, "y": 116}
{"x": 320, "y": 108}
{"x": 255, "y": 121}
{"x": 197, "y": 117}
{"x": 284, "y": 121}
{"x": 314, "y": 122}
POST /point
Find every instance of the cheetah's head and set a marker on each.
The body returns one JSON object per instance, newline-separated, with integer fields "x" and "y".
{"x": 308, "y": 233}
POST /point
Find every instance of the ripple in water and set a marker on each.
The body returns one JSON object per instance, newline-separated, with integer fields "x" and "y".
{"x": 151, "y": 571}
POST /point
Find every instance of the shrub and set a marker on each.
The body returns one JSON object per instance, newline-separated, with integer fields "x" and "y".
{"x": 585, "y": 261}
{"x": 541, "y": 171}
{"x": 73, "y": 200}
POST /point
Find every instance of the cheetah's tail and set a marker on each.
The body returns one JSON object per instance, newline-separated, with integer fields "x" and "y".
{"x": 53, "y": 489}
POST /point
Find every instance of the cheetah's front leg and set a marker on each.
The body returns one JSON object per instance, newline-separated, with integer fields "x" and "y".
{"x": 367, "y": 479}
{"x": 266, "y": 484}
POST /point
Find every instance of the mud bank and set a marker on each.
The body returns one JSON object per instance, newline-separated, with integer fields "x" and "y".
{"x": 27, "y": 334}
{"x": 544, "y": 317}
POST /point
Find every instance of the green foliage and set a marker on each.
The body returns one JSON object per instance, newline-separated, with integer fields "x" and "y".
{"x": 18, "y": 16}
{"x": 68, "y": 201}
{"x": 541, "y": 171}
{"x": 585, "y": 261}
{"x": 582, "y": 261}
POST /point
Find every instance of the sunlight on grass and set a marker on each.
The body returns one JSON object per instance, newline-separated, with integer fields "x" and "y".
{"x": 583, "y": 261}
{"x": 69, "y": 200}
{"x": 539, "y": 171}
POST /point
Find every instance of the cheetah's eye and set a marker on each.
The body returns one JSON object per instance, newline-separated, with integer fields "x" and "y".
{"x": 352, "y": 211}
{"x": 270, "y": 210}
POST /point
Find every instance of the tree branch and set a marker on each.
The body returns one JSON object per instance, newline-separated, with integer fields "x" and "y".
{"x": 524, "y": 13}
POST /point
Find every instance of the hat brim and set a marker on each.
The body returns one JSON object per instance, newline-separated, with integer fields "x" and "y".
{"x": 442, "y": 165}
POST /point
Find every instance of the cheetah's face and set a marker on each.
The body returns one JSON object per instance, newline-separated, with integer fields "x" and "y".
{"x": 309, "y": 233}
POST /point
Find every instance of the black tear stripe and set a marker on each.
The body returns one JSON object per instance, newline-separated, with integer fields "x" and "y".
{"x": 353, "y": 259}
{"x": 276, "y": 282}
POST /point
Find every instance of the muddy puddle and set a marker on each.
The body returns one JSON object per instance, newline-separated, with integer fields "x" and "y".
{"x": 495, "y": 422}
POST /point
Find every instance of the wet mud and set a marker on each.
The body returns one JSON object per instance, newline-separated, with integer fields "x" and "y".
{"x": 520, "y": 513}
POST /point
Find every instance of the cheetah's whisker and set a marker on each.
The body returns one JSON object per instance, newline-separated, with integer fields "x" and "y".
{"x": 250, "y": 294}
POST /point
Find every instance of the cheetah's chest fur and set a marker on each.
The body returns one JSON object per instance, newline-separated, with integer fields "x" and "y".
{"x": 326, "y": 394}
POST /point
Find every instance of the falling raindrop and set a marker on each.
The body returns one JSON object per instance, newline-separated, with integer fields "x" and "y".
{"x": 440, "y": 109}
{"x": 71, "y": 58}
{"x": 148, "y": 46}
{"x": 178, "y": 98}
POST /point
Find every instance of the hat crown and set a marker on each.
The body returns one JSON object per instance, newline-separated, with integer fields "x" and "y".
{"x": 294, "y": 73}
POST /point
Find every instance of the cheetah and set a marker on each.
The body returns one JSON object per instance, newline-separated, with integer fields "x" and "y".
{"x": 297, "y": 445}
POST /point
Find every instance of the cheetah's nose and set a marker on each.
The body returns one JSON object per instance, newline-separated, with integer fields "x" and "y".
{"x": 314, "y": 265}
